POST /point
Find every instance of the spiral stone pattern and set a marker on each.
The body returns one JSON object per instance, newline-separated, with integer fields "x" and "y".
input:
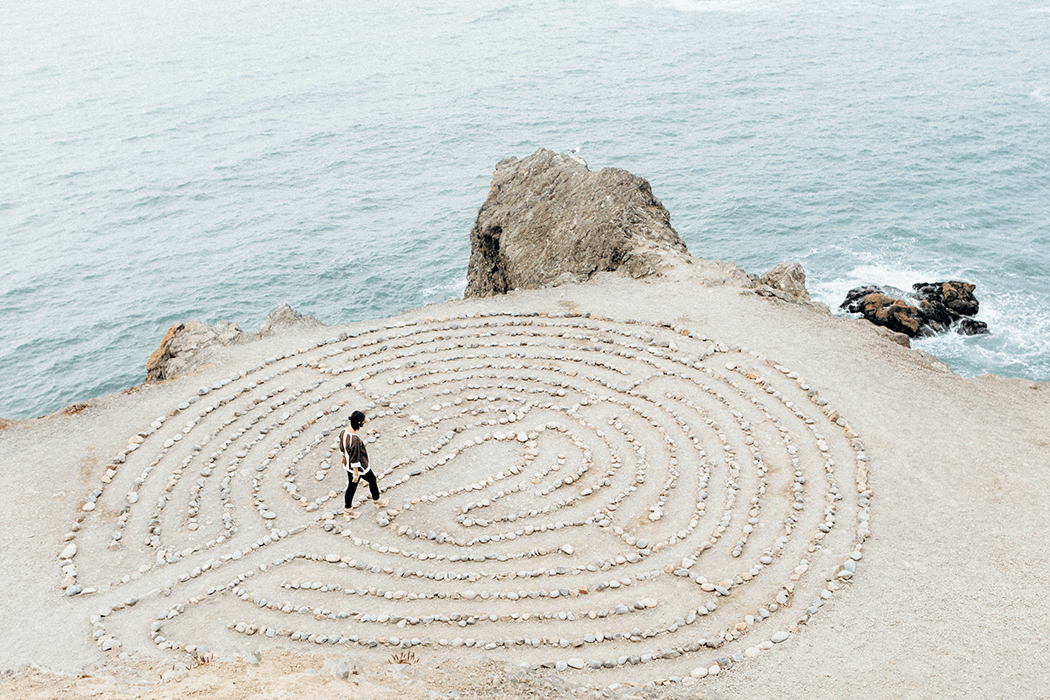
{"x": 564, "y": 491}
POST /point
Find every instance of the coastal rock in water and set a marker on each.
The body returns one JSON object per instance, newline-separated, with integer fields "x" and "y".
{"x": 957, "y": 296}
{"x": 938, "y": 308}
{"x": 950, "y": 301}
{"x": 884, "y": 310}
{"x": 970, "y": 326}
{"x": 549, "y": 220}
{"x": 285, "y": 316}
{"x": 788, "y": 278}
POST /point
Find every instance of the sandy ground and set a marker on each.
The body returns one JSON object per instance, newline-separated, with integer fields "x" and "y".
{"x": 948, "y": 601}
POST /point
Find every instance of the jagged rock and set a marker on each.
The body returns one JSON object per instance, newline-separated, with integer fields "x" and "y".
{"x": 970, "y": 326}
{"x": 185, "y": 345}
{"x": 956, "y": 296}
{"x": 549, "y": 220}
{"x": 721, "y": 273}
{"x": 939, "y": 307}
{"x": 179, "y": 351}
{"x": 789, "y": 278}
{"x": 884, "y": 310}
{"x": 284, "y": 316}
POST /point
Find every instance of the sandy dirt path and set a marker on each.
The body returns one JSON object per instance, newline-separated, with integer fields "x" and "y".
{"x": 722, "y": 398}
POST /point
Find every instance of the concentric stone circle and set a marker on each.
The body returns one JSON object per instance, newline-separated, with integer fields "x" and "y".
{"x": 564, "y": 491}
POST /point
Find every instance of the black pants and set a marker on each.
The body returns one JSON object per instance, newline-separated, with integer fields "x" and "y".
{"x": 373, "y": 487}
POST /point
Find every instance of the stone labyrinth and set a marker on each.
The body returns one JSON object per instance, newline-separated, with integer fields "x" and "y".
{"x": 565, "y": 492}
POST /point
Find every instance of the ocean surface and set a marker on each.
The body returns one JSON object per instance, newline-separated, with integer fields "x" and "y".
{"x": 166, "y": 161}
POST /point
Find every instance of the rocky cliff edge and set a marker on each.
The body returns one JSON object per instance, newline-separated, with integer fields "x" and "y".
{"x": 185, "y": 345}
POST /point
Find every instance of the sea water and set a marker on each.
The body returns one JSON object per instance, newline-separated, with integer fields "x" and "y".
{"x": 178, "y": 160}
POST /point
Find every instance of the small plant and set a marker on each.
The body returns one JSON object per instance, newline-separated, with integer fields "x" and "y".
{"x": 403, "y": 657}
{"x": 201, "y": 658}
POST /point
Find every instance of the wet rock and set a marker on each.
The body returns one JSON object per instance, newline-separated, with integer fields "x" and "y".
{"x": 884, "y": 310}
{"x": 933, "y": 308}
{"x": 969, "y": 326}
{"x": 956, "y": 296}
{"x": 548, "y": 219}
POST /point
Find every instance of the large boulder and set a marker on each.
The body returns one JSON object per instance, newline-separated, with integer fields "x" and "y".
{"x": 885, "y": 310}
{"x": 787, "y": 278}
{"x": 548, "y": 220}
{"x": 956, "y": 297}
{"x": 938, "y": 307}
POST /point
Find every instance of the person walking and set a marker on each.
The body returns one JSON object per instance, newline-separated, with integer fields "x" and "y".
{"x": 355, "y": 462}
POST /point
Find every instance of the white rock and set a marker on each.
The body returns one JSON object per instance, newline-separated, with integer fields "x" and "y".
{"x": 69, "y": 552}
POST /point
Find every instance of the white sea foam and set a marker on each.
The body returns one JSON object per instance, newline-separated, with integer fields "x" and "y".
{"x": 1018, "y": 343}
{"x": 833, "y": 291}
{"x": 444, "y": 292}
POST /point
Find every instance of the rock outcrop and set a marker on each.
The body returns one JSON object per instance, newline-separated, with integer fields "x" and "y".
{"x": 180, "y": 350}
{"x": 957, "y": 297}
{"x": 184, "y": 347}
{"x": 787, "y": 278}
{"x": 549, "y": 220}
{"x": 285, "y": 316}
{"x": 939, "y": 307}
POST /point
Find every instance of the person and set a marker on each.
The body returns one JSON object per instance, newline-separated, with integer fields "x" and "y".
{"x": 355, "y": 462}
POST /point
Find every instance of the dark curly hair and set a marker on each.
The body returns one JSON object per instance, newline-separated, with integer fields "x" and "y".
{"x": 357, "y": 419}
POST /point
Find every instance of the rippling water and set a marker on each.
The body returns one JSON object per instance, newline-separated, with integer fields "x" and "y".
{"x": 175, "y": 160}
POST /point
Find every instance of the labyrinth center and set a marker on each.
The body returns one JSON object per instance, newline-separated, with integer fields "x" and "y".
{"x": 564, "y": 491}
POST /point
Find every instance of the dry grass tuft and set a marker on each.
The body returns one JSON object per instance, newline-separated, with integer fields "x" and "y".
{"x": 403, "y": 657}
